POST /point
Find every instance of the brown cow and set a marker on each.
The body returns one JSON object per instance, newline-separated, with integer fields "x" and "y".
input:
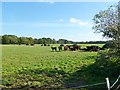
{"x": 74, "y": 47}
{"x": 66, "y": 48}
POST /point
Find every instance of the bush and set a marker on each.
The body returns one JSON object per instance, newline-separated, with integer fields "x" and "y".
{"x": 110, "y": 44}
{"x": 107, "y": 63}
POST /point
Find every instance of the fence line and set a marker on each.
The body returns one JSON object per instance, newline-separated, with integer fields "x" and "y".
{"x": 117, "y": 87}
{"x": 84, "y": 86}
{"x": 115, "y": 82}
{"x": 89, "y": 85}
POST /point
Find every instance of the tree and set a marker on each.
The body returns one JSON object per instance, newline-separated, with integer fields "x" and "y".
{"x": 108, "y": 22}
{"x": 10, "y": 39}
{"x": 44, "y": 40}
{"x": 61, "y": 41}
{"x": 5, "y": 39}
{"x": 54, "y": 41}
{"x": 49, "y": 40}
{"x": 0, "y": 39}
{"x": 35, "y": 40}
{"x": 13, "y": 39}
{"x": 39, "y": 41}
{"x": 30, "y": 40}
{"x": 23, "y": 40}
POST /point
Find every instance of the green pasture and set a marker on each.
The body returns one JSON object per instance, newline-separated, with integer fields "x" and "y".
{"x": 38, "y": 67}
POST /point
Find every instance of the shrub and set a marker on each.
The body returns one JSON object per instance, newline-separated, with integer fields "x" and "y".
{"x": 108, "y": 63}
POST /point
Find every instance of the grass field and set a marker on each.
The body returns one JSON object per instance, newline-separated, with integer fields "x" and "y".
{"x": 38, "y": 67}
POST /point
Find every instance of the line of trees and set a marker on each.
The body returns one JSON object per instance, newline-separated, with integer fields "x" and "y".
{"x": 13, "y": 39}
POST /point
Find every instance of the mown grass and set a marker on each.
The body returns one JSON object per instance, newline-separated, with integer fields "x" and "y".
{"x": 38, "y": 67}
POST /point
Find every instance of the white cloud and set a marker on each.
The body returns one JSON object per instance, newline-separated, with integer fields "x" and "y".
{"x": 61, "y": 20}
{"x": 80, "y": 22}
{"x": 73, "y": 20}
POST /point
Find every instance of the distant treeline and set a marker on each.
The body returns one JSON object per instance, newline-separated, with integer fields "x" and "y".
{"x": 13, "y": 39}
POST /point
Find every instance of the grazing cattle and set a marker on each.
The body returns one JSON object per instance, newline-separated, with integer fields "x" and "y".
{"x": 66, "y": 48}
{"x": 45, "y": 44}
{"x": 78, "y": 47}
{"x": 60, "y": 48}
{"x": 27, "y": 44}
{"x": 32, "y": 44}
{"x": 88, "y": 48}
{"x": 91, "y": 48}
{"x": 74, "y": 47}
{"x": 95, "y": 48}
{"x": 62, "y": 45}
{"x": 102, "y": 48}
{"x": 71, "y": 48}
{"x": 54, "y": 48}
{"x": 84, "y": 49}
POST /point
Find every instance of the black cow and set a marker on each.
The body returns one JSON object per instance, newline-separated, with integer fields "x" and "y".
{"x": 60, "y": 48}
{"x": 91, "y": 48}
{"x": 27, "y": 44}
{"x": 54, "y": 48}
{"x": 32, "y": 44}
{"x": 19, "y": 43}
{"x": 95, "y": 48}
{"x": 62, "y": 45}
{"x": 72, "y": 48}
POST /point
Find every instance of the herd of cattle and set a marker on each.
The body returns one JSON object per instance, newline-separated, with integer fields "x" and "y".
{"x": 73, "y": 47}
{"x": 76, "y": 47}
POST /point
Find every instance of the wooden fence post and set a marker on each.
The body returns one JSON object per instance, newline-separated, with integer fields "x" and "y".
{"x": 108, "y": 83}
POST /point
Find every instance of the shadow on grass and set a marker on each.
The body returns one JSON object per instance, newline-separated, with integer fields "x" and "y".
{"x": 26, "y": 79}
{"x": 55, "y": 78}
{"x": 42, "y": 79}
{"x": 93, "y": 74}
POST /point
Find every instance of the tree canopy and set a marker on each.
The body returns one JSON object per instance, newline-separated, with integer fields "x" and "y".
{"x": 107, "y": 22}
{"x": 13, "y": 39}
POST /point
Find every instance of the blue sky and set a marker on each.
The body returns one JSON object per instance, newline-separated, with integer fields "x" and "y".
{"x": 68, "y": 20}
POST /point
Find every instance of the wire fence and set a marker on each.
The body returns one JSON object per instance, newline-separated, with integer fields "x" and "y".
{"x": 115, "y": 82}
{"x": 103, "y": 83}
{"x": 90, "y": 85}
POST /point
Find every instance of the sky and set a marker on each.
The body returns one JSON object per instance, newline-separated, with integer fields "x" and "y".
{"x": 51, "y": 1}
{"x": 66, "y": 20}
